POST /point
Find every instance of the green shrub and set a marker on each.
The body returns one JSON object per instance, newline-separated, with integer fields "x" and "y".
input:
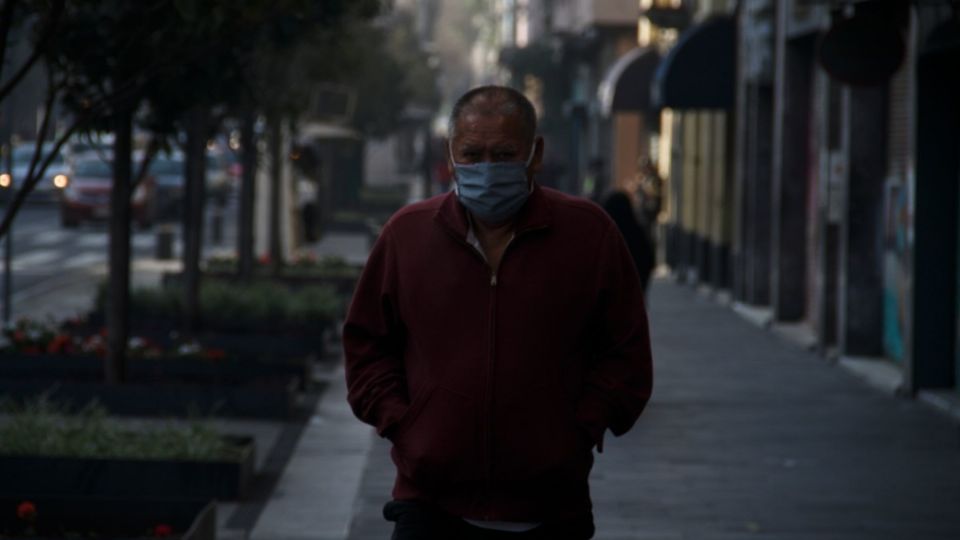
{"x": 243, "y": 307}
{"x": 41, "y": 428}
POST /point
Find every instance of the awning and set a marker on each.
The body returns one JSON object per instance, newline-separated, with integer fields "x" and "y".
{"x": 699, "y": 71}
{"x": 626, "y": 87}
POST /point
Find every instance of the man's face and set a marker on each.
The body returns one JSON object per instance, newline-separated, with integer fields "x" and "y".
{"x": 493, "y": 138}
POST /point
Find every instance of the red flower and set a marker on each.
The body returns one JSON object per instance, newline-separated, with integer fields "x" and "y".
{"x": 214, "y": 354}
{"x": 162, "y": 530}
{"x": 19, "y": 335}
{"x": 59, "y": 344}
{"x": 264, "y": 259}
{"x": 27, "y": 511}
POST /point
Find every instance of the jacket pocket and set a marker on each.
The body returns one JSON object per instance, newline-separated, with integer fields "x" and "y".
{"x": 538, "y": 440}
{"x": 437, "y": 441}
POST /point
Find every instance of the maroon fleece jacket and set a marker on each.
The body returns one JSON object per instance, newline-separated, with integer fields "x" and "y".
{"x": 494, "y": 388}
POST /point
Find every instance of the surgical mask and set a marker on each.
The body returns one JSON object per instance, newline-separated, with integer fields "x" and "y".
{"x": 493, "y": 191}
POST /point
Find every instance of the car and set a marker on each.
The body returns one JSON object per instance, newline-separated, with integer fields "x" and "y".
{"x": 87, "y": 195}
{"x": 220, "y": 181}
{"x": 55, "y": 177}
{"x": 165, "y": 174}
{"x": 89, "y": 143}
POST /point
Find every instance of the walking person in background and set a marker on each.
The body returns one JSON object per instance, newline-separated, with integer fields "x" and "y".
{"x": 496, "y": 333}
{"x": 638, "y": 238}
{"x": 649, "y": 193}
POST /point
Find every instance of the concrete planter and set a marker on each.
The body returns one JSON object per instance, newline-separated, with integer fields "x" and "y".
{"x": 227, "y": 371}
{"x": 275, "y": 398}
{"x": 85, "y": 517}
{"x": 79, "y": 477}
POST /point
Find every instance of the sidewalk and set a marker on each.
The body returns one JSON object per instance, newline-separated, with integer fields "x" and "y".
{"x": 747, "y": 436}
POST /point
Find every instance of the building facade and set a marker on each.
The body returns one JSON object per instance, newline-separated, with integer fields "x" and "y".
{"x": 826, "y": 197}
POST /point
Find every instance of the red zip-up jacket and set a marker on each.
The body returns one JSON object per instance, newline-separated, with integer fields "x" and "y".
{"x": 494, "y": 387}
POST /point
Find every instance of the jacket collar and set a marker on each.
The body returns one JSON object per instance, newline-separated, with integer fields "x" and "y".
{"x": 536, "y": 213}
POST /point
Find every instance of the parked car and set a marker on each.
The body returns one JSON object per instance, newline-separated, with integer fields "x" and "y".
{"x": 220, "y": 183}
{"x": 166, "y": 175}
{"x": 79, "y": 145}
{"x": 87, "y": 196}
{"x": 55, "y": 177}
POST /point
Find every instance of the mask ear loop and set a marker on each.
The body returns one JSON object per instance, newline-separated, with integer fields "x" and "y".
{"x": 450, "y": 151}
{"x": 456, "y": 181}
{"x": 533, "y": 150}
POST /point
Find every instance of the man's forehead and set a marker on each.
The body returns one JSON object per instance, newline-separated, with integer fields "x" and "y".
{"x": 474, "y": 124}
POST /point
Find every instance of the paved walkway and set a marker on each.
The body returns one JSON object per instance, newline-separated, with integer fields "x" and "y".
{"x": 750, "y": 437}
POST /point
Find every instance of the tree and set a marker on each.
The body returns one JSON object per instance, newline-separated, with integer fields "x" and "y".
{"x": 292, "y": 55}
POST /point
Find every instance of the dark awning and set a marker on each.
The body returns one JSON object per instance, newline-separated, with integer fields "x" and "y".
{"x": 699, "y": 71}
{"x": 626, "y": 87}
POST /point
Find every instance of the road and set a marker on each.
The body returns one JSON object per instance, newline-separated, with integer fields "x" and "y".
{"x": 48, "y": 257}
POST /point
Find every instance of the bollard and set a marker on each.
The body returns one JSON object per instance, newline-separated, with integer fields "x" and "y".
{"x": 164, "y": 247}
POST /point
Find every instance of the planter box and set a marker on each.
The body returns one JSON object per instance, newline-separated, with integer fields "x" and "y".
{"x": 272, "y": 399}
{"x": 231, "y": 370}
{"x": 110, "y": 518}
{"x": 344, "y": 285}
{"x": 52, "y": 476}
{"x": 271, "y": 346}
{"x": 246, "y": 345}
{"x": 282, "y": 343}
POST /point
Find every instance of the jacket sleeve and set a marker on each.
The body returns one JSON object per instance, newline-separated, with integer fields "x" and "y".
{"x": 620, "y": 379}
{"x": 373, "y": 341}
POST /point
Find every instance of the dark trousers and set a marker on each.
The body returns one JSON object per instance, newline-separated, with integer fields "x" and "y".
{"x": 418, "y": 521}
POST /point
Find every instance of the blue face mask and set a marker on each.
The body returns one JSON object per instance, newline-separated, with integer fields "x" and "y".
{"x": 493, "y": 191}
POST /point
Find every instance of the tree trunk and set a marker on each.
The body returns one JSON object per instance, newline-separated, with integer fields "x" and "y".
{"x": 276, "y": 188}
{"x": 118, "y": 304}
{"x": 194, "y": 199}
{"x": 248, "y": 187}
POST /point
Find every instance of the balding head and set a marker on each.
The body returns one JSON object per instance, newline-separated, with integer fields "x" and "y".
{"x": 495, "y": 101}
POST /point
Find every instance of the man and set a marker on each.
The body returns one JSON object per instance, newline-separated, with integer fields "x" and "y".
{"x": 649, "y": 190}
{"x": 496, "y": 332}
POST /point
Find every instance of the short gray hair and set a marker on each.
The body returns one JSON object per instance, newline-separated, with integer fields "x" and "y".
{"x": 504, "y": 101}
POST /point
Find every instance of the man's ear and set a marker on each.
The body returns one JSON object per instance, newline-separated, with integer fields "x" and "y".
{"x": 448, "y": 151}
{"x": 537, "y": 162}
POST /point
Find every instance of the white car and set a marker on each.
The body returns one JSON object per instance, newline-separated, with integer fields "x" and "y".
{"x": 55, "y": 178}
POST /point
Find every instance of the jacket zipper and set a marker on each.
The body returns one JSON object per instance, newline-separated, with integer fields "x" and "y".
{"x": 487, "y": 427}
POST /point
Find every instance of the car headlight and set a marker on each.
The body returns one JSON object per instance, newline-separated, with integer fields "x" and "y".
{"x": 61, "y": 181}
{"x": 5, "y": 180}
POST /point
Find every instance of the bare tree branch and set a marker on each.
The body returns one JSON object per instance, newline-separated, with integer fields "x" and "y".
{"x": 42, "y": 134}
{"x": 6, "y": 22}
{"x": 28, "y": 186}
{"x": 48, "y": 32}
{"x": 152, "y": 148}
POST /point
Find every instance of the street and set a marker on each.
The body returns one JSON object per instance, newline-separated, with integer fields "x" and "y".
{"x": 48, "y": 257}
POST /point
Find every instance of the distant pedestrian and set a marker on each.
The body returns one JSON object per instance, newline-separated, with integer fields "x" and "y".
{"x": 496, "y": 333}
{"x": 649, "y": 192}
{"x": 638, "y": 238}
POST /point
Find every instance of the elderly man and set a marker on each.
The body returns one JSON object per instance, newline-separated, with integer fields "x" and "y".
{"x": 496, "y": 333}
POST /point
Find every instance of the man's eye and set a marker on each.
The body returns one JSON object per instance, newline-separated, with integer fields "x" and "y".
{"x": 504, "y": 156}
